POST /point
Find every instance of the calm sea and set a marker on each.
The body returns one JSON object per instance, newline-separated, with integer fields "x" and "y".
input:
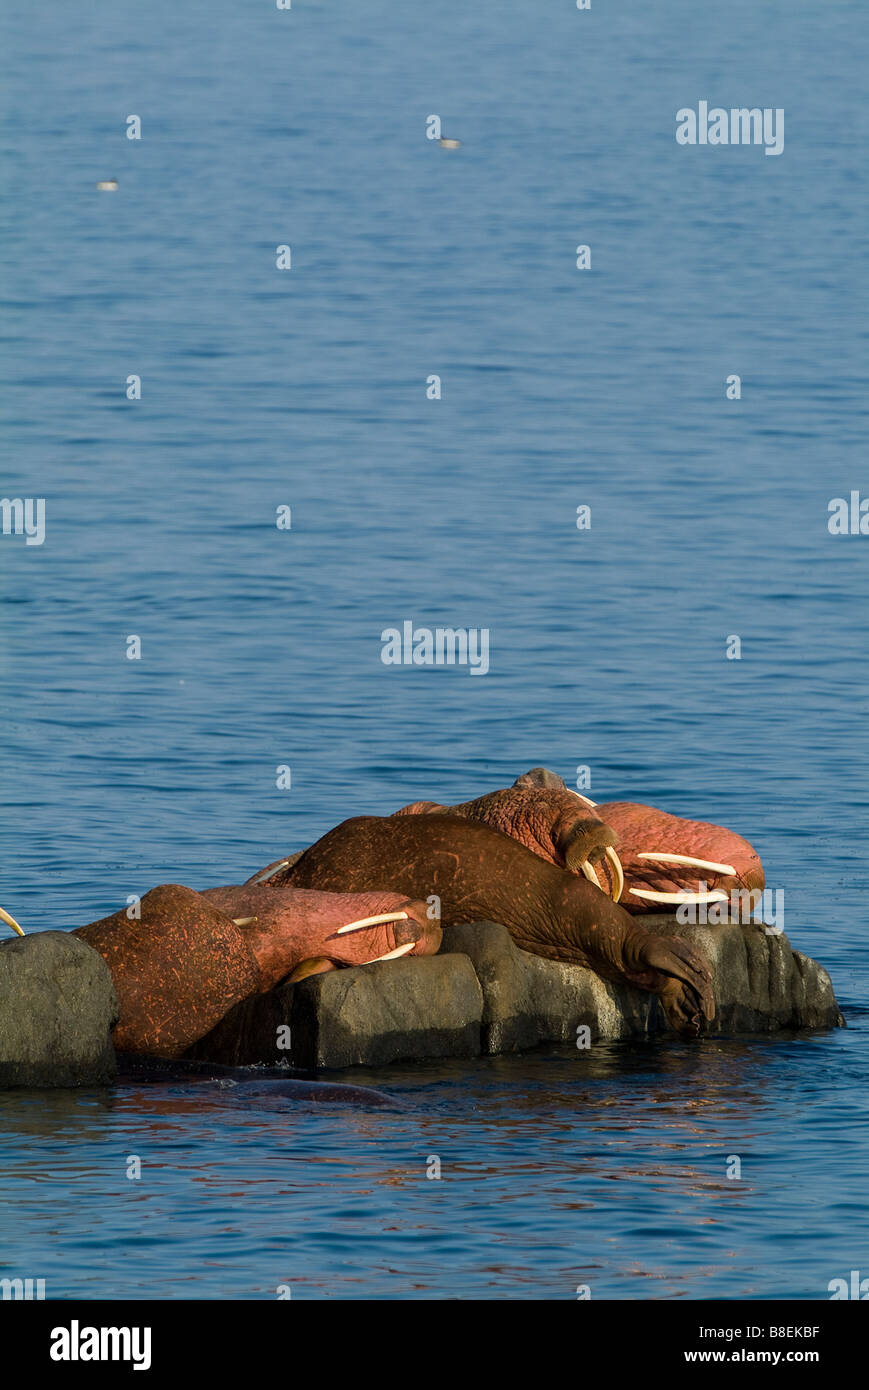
{"x": 260, "y": 647}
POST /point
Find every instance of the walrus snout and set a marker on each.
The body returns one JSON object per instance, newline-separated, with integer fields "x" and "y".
{"x": 588, "y": 847}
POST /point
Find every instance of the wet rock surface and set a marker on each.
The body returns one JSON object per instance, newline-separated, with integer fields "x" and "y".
{"x": 411, "y": 1009}
{"x": 482, "y": 995}
{"x": 57, "y": 1009}
{"x": 761, "y": 986}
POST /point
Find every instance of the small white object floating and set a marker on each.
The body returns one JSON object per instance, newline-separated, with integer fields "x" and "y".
{"x": 108, "y": 186}
{"x": 446, "y": 144}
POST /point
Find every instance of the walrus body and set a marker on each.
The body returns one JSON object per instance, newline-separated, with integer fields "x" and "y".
{"x": 190, "y": 957}
{"x": 556, "y": 825}
{"x": 478, "y": 873}
{"x": 542, "y": 813}
{"x": 646, "y": 829}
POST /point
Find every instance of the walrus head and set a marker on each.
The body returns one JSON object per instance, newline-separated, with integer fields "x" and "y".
{"x": 654, "y": 845}
{"x": 187, "y": 958}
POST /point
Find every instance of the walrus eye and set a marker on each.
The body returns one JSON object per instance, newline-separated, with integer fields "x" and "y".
{"x": 692, "y": 863}
{"x": 715, "y": 896}
{"x": 11, "y": 922}
{"x": 373, "y": 922}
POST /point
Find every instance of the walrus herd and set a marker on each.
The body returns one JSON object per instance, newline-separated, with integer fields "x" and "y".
{"x": 570, "y": 879}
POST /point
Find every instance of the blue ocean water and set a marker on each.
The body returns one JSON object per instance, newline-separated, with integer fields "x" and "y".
{"x": 261, "y": 647}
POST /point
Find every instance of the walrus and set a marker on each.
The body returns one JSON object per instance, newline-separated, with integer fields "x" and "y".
{"x": 270, "y": 1088}
{"x": 190, "y": 957}
{"x": 647, "y": 856}
{"x": 479, "y": 873}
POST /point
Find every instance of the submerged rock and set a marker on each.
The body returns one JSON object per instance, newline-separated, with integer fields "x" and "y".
{"x": 57, "y": 1009}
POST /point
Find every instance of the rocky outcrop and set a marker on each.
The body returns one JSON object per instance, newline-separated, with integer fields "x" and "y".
{"x": 480, "y": 995}
{"x": 761, "y": 986}
{"x": 484, "y": 995}
{"x": 57, "y": 1009}
{"x": 411, "y": 1009}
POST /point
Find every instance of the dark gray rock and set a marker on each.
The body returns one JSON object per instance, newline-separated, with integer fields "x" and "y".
{"x": 483, "y": 994}
{"x": 57, "y": 1010}
{"x": 426, "y": 1006}
{"x": 761, "y": 985}
{"x": 529, "y": 1000}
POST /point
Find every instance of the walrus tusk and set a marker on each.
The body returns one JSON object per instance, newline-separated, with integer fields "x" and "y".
{"x": 391, "y": 955}
{"x": 586, "y": 801}
{"x": 372, "y": 922}
{"x": 691, "y": 862}
{"x": 618, "y": 873}
{"x": 716, "y": 896}
{"x": 267, "y": 873}
{"x": 10, "y": 921}
{"x": 244, "y": 921}
{"x": 588, "y": 869}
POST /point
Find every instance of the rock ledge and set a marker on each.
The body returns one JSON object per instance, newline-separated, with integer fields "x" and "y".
{"x": 482, "y": 995}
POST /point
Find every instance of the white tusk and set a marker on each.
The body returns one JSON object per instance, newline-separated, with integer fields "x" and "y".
{"x": 618, "y": 873}
{"x": 243, "y": 921}
{"x": 391, "y": 955}
{"x": 372, "y": 922}
{"x": 691, "y": 862}
{"x": 267, "y": 873}
{"x": 584, "y": 799}
{"x": 588, "y": 870}
{"x": 10, "y": 921}
{"x": 716, "y": 896}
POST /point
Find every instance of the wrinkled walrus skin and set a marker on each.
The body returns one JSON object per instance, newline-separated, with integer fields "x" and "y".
{"x": 542, "y": 813}
{"x": 478, "y": 873}
{"x": 184, "y": 963}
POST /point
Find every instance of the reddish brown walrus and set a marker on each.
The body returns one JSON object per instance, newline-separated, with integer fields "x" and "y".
{"x": 648, "y": 857}
{"x": 190, "y": 957}
{"x": 478, "y": 873}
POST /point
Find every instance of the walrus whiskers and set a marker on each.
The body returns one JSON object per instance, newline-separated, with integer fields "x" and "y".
{"x": 11, "y": 922}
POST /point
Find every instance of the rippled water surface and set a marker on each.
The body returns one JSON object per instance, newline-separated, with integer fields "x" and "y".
{"x": 261, "y": 647}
